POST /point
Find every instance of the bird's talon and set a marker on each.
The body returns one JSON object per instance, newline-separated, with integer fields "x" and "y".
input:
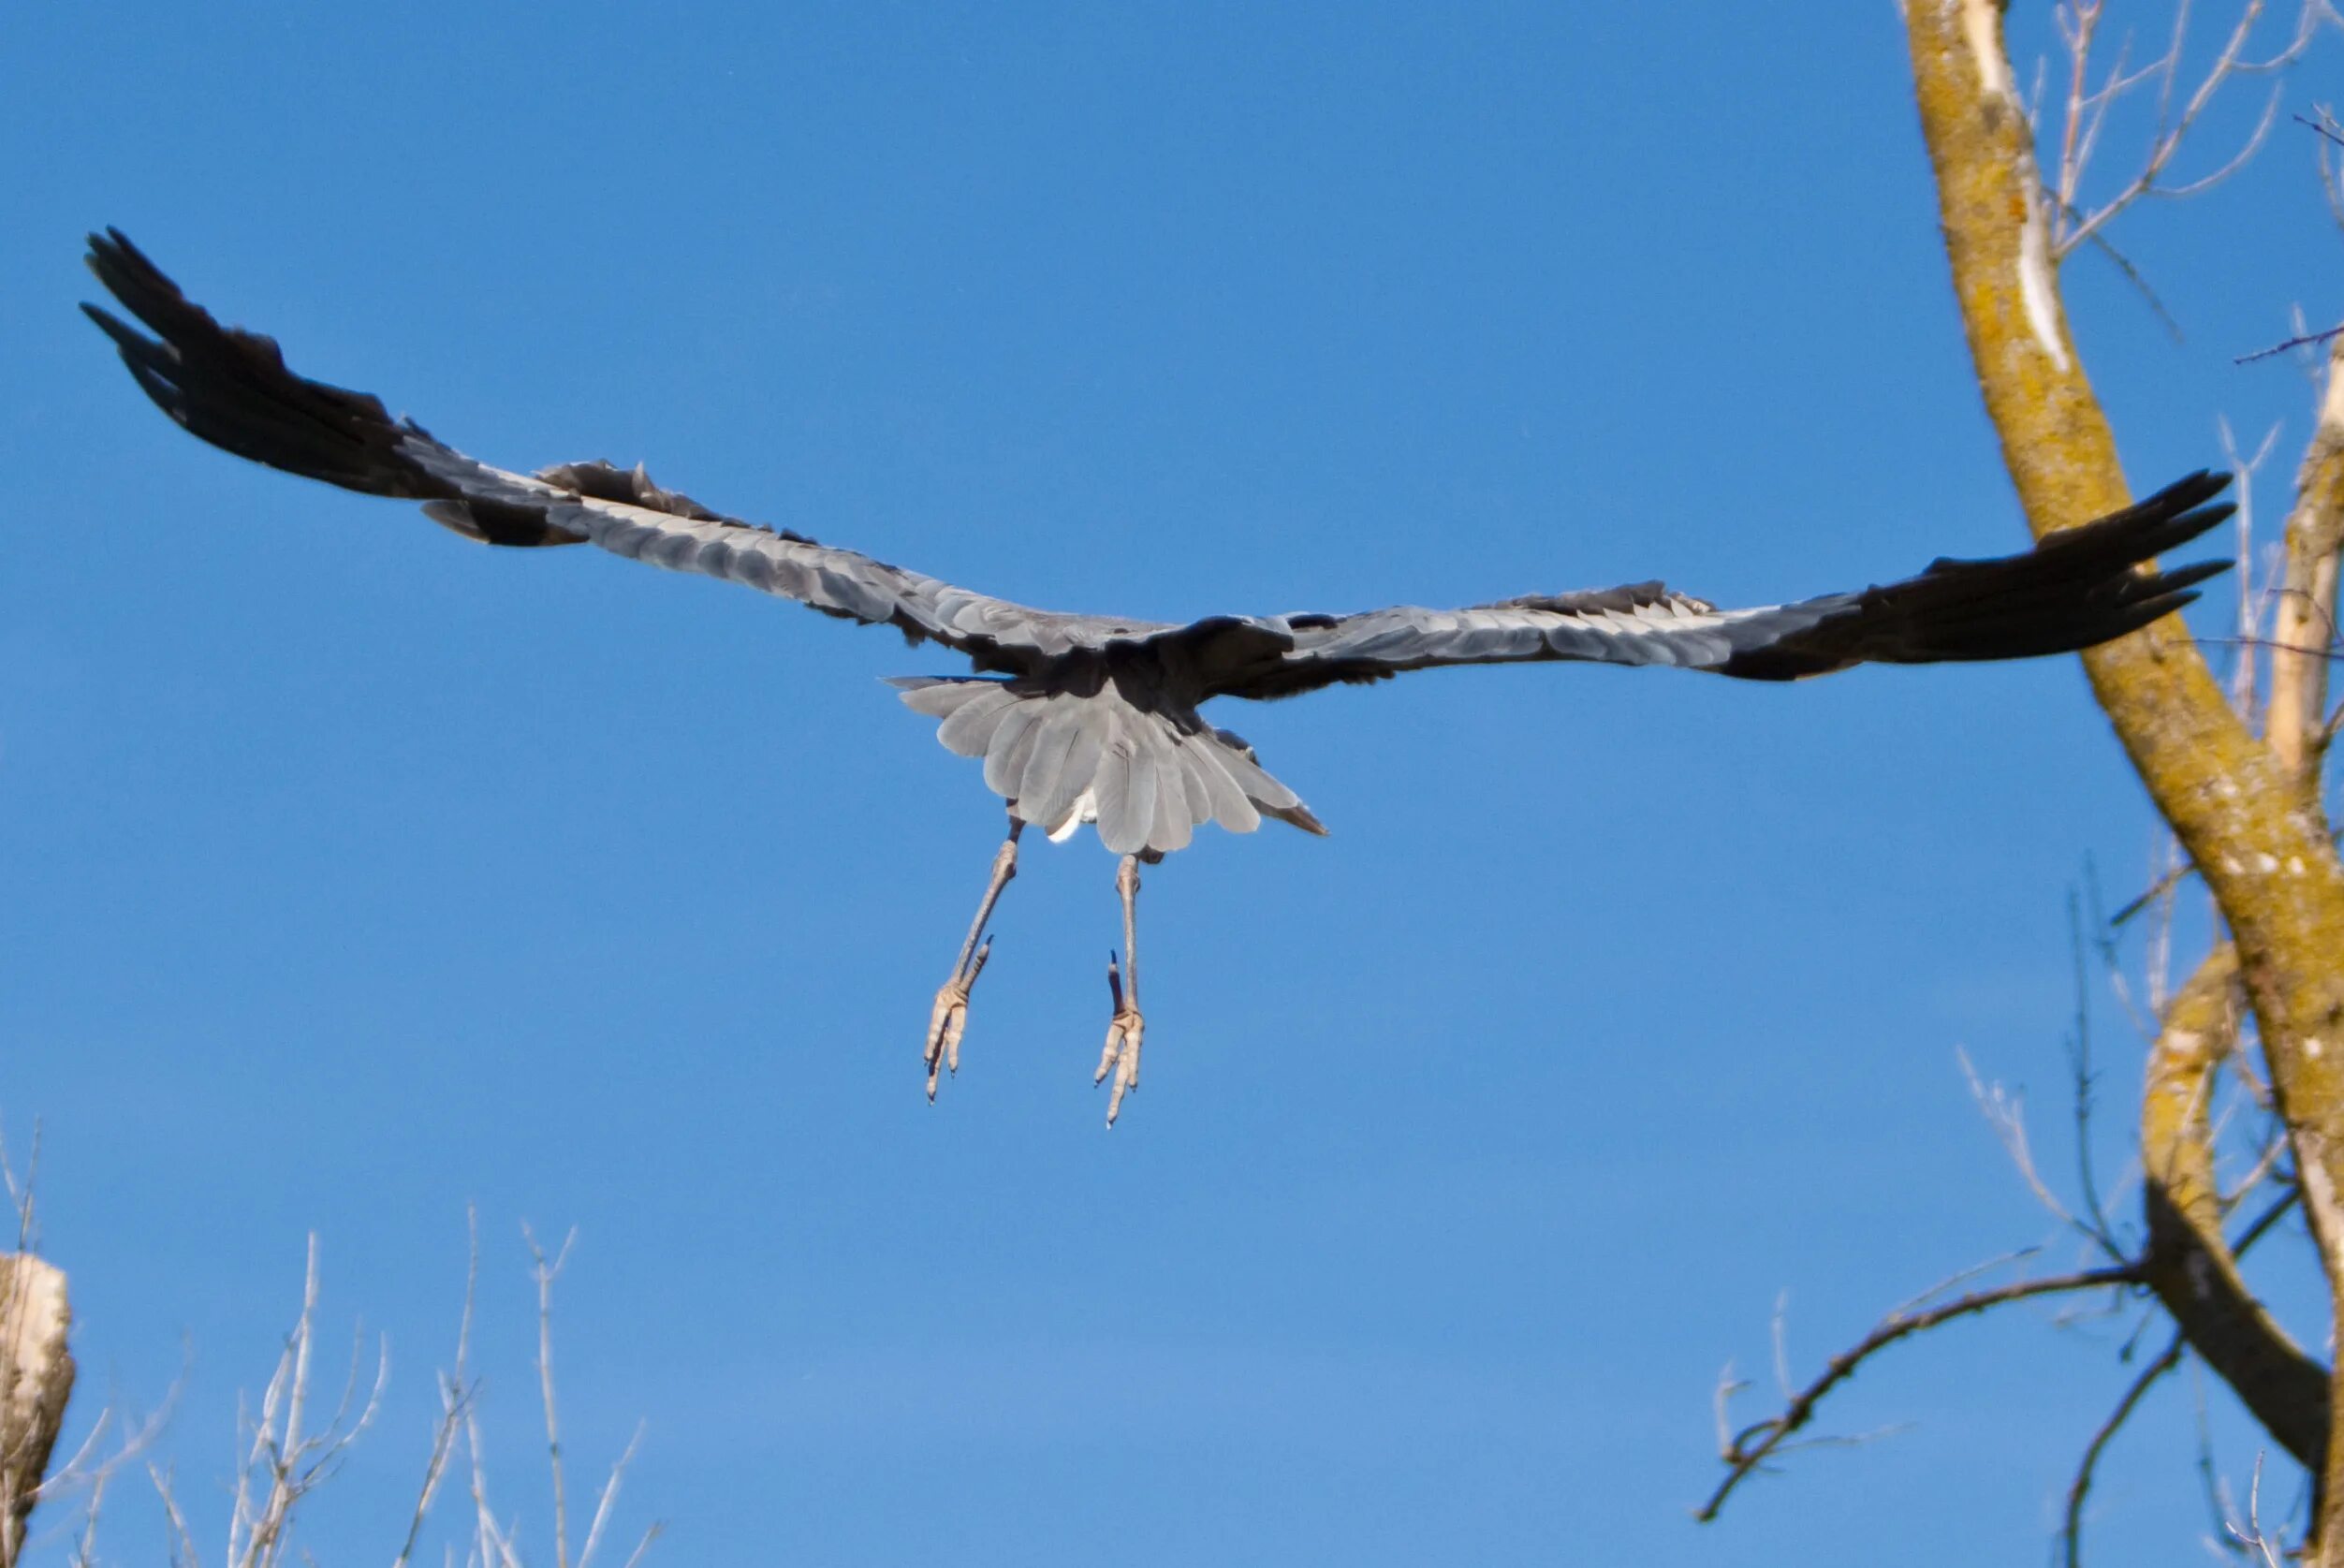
{"x": 1123, "y": 1037}
{"x": 946, "y": 1020}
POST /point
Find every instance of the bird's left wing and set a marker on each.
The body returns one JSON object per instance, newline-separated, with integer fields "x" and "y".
{"x": 233, "y": 389}
{"x": 2079, "y": 587}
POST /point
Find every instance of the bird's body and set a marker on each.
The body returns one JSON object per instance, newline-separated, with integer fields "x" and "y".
{"x": 1097, "y": 719}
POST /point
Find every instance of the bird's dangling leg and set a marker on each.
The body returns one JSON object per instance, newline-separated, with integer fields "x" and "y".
{"x": 951, "y": 1015}
{"x": 1126, "y": 1029}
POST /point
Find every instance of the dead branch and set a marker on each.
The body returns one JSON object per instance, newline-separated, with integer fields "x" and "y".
{"x": 2072, "y": 1533}
{"x": 282, "y": 1455}
{"x": 2086, "y": 110}
{"x": 1746, "y": 1450}
{"x": 545, "y": 1272}
{"x": 455, "y": 1393}
{"x": 2304, "y": 632}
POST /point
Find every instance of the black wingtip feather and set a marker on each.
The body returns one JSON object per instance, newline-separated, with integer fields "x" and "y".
{"x": 2077, "y": 588}
{"x": 233, "y": 388}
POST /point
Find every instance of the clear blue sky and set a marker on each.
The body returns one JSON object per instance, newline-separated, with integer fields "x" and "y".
{"x": 354, "y": 874}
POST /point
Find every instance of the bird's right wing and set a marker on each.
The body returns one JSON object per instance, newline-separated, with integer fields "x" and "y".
{"x": 233, "y": 389}
{"x": 2077, "y": 587}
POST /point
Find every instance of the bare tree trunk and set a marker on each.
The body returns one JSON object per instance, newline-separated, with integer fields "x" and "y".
{"x": 35, "y": 1380}
{"x": 2241, "y": 809}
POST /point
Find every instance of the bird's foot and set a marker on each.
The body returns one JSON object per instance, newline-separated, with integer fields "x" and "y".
{"x": 1124, "y": 1033}
{"x": 948, "y": 1017}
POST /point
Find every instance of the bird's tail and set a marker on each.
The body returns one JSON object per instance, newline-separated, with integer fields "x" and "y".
{"x": 1064, "y": 757}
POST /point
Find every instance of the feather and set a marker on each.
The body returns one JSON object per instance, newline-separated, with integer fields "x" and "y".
{"x": 1251, "y": 776}
{"x": 1224, "y": 800}
{"x": 1085, "y": 756}
{"x": 939, "y": 696}
{"x": 968, "y": 732}
{"x": 1045, "y": 757}
{"x": 1112, "y": 788}
{"x": 1012, "y": 743}
{"x": 1173, "y": 825}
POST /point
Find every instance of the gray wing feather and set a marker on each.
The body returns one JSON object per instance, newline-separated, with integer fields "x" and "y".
{"x": 941, "y": 696}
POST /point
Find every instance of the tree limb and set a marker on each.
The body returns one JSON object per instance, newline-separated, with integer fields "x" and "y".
{"x": 2188, "y": 1263}
{"x": 2305, "y": 627}
{"x": 1746, "y": 1450}
{"x": 2072, "y": 1534}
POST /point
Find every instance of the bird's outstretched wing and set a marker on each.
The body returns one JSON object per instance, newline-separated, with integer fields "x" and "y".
{"x": 2079, "y": 587}
{"x": 233, "y": 389}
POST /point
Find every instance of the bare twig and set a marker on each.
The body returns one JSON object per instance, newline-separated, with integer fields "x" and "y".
{"x": 2071, "y": 1534}
{"x": 2095, "y": 1216}
{"x": 2306, "y": 339}
{"x": 635, "y": 1558}
{"x": 2252, "y": 1539}
{"x": 2006, "y": 1113}
{"x": 2253, "y": 595}
{"x": 609, "y": 1496}
{"x": 2085, "y": 109}
{"x": 182, "y": 1541}
{"x": 1746, "y": 1450}
{"x": 545, "y": 1272}
{"x": 456, "y": 1395}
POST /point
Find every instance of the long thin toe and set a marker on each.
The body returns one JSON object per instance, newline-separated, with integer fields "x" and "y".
{"x": 940, "y": 1051}
{"x": 1122, "y": 1087}
{"x": 1124, "y": 1037}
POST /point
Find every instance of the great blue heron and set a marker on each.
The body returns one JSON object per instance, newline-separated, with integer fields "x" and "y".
{"x": 1093, "y": 718}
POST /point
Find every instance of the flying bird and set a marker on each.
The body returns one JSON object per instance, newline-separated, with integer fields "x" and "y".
{"x": 1094, "y": 719}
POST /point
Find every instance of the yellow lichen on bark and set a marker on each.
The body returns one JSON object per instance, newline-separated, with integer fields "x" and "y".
{"x": 2305, "y": 623}
{"x": 2238, "y": 809}
{"x": 2187, "y": 1262}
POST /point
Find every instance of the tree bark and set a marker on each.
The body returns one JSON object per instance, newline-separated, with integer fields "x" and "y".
{"x": 35, "y": 1380}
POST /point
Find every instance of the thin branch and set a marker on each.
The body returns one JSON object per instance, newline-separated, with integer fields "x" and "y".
{"x": 2306, "y": 340}
{"x": 2251, "y": 1540}
{"x": 1749, "y": 1448}
{"x": 183, "y": 1543}
{"x": 2086, "y": 110}
{"x": 609, "y": 1495}
{"x": 545, "y": 1273}
{"x": 652, "y": 1533}
{"x": 1962, "y": 1277}
{"x": 2079, "y": 1061}
{"x": 2006, "y": 1114}
{"x": 2072, "y": 1535}
{"x": 456, "y": 1396}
